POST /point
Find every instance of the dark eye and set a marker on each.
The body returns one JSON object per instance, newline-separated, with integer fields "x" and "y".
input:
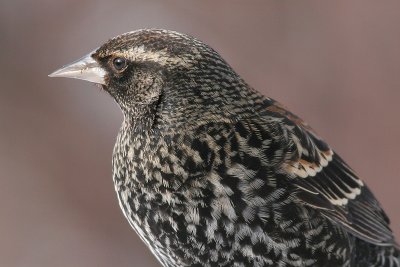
{"x": 119, "y": 63}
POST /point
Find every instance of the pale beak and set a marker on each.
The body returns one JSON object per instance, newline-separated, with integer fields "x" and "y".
{"x": 85, "y": 68}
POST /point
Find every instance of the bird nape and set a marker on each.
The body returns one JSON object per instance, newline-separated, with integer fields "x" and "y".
{"x": 209, "y": 172}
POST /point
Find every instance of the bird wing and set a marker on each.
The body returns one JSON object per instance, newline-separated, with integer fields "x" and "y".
{"x": 323, "y": 181}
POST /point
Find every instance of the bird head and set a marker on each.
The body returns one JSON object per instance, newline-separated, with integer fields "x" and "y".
{"x": 133, "y": 67}
{"x": 174, "y": 73}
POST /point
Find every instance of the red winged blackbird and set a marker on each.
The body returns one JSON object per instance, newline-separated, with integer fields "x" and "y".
{"x": 209, "y": 172}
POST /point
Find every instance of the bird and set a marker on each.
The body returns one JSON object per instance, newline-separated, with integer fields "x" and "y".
{"x": 210, "y": 172}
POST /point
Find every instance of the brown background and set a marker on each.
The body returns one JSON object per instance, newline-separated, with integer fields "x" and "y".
{"x": 335, "y": 64}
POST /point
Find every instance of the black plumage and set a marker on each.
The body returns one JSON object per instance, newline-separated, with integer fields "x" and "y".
{"x": 211, "y": 173}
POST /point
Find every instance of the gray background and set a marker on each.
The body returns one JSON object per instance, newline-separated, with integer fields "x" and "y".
{"x": 336, "y": 64}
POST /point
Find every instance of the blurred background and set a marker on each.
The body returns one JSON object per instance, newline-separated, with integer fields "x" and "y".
{"x": 336, "y": 64}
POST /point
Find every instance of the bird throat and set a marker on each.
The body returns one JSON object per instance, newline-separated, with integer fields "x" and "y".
{"x": 140, "y": 117}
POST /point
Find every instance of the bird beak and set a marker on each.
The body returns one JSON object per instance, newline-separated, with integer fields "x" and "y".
{"x": 85, "y": 68}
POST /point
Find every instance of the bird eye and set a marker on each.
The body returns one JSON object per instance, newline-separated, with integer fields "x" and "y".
{"x": 119, "y": 63}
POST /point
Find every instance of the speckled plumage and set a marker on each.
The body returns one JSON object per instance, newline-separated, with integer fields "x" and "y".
{"x": 211, "y": 173}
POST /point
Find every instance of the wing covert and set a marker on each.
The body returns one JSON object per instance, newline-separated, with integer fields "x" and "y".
{"x": 325, "y": 182}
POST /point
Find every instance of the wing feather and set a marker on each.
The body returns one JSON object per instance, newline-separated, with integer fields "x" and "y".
{"x": 325, "y": 182}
